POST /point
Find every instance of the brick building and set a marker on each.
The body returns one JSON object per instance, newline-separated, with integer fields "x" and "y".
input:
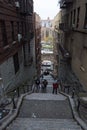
{"x": 16, "y": 42}
{"x": 37, "y": 27}
{"x": 56, "y": 22}
{"x": 73, "y": 43}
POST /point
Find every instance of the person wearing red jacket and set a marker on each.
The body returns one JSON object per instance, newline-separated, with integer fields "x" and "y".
{"x": 55, "y": 87}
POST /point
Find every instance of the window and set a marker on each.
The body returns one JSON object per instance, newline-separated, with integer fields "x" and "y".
{"x": 29, "y": 48}
{"x": 85, "y": 24}
{"x": 71, "y": 19}
{"x": 3, "y": 32}
{"x": 11, "y": 2}
{"x": 16, "y": 62}
{"x": 44, "y": 24}
{"x": 47, "y": 33}
{"x": 18, "y": 27}
{"x": 22, "y": 28}
{"x": 12, "y": 30}
{"x": 74, "y": 15}
{"x": 78, "y": 13}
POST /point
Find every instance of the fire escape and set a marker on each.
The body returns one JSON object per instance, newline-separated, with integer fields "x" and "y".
{"x": 65, "y": 3}
{"x": 65, "y": 29}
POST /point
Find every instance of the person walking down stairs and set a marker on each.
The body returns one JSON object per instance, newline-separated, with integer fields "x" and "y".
{"x": 36, "y": 85}
{"x": 45, "y": 82}
{"x": 44, "y": 85}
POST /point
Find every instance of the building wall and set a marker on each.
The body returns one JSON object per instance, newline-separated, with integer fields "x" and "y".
{"x": 8, "y": 72}
{"x": 75, "y": 38}
{"x": 12, "y": 80}
{"x": 16, "y": 70}
{"x": 79, "y": 56}
{"x": 77, "y": 43}
{"x": 37, "y": 21}
{"x": 9, "y": 17}
{"x": 57, "y": 33}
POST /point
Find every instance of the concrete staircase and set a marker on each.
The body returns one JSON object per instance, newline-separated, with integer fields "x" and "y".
{"x": 43, "y": 124}
{"x": 42, "y": 115}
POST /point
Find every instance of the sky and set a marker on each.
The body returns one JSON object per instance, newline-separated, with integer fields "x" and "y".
{"x": 46, "y": 8}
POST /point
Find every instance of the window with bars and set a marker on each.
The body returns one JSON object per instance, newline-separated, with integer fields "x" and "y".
{"x": 85, "y": 24}
{"x": 3, "y": 32}
{"x": 16, "y": 62}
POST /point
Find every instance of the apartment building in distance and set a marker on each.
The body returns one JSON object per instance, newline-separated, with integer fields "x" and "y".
{"x": 73, "y": 38}
{"x": 16, "y": 43}
{"x": 37, "y": 21}
{"x": 46, "y": 30}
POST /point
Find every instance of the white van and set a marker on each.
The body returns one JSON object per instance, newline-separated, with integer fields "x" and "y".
{"x": 47, "y": 65}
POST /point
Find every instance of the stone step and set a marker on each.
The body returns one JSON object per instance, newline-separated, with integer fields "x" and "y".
{"x": 69, "y": 121}
{"x": 43, "y": 124}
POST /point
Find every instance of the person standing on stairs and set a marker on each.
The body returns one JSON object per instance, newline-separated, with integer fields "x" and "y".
{"x": 55, "y": 87}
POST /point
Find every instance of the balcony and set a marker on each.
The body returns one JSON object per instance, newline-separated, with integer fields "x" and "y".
{"x": 65, "y": 3}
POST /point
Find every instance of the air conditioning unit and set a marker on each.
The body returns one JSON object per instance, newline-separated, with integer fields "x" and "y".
{"x": 19, "y": 37}
{"x": 17, "y": 4}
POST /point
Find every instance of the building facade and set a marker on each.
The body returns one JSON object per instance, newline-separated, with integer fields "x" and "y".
{"x": 46, "y": 30}
{"x": 73, "y": 43}
{"x": 56, "y": 22}
{"x": 37, "y": 27}
{"x": 16, "y": 42}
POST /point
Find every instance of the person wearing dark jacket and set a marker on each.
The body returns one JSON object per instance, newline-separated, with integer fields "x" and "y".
{"x": 45, "y": 83}
{"x": 37, "y": 83}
